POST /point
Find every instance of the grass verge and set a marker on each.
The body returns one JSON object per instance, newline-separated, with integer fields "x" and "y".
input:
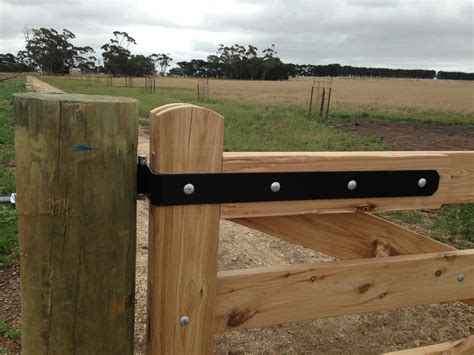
{"x": 9, "y": 84}
{"x": 7, "y": 331}
{"x": 453, "y": 225}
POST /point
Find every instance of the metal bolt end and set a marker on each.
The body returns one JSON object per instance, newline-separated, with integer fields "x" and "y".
{"x": 188, "y": 189}
{"x": 422, "y": 182}
{"x": 13, "y": 198}
{"x": 275, "y": 187}
{"x": 142, "y": 159}
{"x": 184, "y": 321}
{"x": 351, "y": 185}
{"x": 460, "y": 278}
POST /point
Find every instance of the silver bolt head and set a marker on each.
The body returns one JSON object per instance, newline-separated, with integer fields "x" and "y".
{"x": 351, "y": 185}
{"x": 188, "y": 189}
{"x": 13, "y": 198}
{"x": 275, "y": 187}
{"x": 460, "y": 278}
{"x": 422, "y": 182}
{"x": 184, "y": 321}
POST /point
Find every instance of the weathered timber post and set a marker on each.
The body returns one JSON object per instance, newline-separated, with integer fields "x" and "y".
{"x": 183, "y": 240}
{"x": 76, "y": 186}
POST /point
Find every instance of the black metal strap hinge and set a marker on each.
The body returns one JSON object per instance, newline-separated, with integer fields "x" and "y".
{"x": 196, "y": 188}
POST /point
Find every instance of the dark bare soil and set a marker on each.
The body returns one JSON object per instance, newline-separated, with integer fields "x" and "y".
{"x": 413, "y": 135}
{"x": 10, "y": 304}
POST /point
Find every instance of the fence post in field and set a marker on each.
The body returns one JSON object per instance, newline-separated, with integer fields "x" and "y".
{"x": 76, "y": 189}
{"x": 321, "y": 110}
{"x": 183, "y": 240}
{"x": 328, "y": 103}
{"x": 311, "y": 102}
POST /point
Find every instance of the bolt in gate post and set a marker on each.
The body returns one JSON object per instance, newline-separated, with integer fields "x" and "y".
{"x": 183, "y": 240}
{"x": 76, "y": 187}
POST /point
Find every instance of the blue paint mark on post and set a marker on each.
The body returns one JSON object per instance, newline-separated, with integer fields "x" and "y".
{"x": 81, "y": 148}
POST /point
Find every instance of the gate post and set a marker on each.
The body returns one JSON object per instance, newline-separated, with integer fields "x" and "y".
{"x": 183, "y": 240}
{"x": 76, "y": 187}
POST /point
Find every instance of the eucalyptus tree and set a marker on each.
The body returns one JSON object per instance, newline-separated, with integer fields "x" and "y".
{"x": 164, "y": 60}
{"x": 116, "y": 53}
{"x": 52, "y": 51}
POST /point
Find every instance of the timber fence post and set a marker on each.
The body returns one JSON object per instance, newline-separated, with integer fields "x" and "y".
{"x": 76, "y": 204}
{"x": 183, "y": 240}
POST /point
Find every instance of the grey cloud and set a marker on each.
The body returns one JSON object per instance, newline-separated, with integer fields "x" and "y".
{"x": 347, "y": 32}
{"x": 305, "y": 17}
{"x": 76, "y": 16}
{"x": 204, "y": 46}
{"x": 432, "y": 34}
{"x": 375, "y": 3}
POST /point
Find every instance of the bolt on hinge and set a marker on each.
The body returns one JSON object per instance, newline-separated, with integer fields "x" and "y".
{"x": 8, "y": 200}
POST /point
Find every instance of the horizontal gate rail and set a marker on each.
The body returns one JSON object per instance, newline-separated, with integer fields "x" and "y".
{"x": 456, "y": 170}
{"x": 273, "y": 295}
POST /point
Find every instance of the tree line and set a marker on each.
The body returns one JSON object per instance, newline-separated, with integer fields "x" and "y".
{"x": 350, "y": 71}
{"x": 218, "y": 66}
{"x": 236, "y": 62}
{"x": 454, "y": 75}
{"x": 52, "y": 52}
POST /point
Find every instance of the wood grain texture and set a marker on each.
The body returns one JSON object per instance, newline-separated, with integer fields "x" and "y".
{"x": 76, "y": 187}
{"x": 157, "y": 110}
{"x": 336, "y": 161}
{"x": 330, "y": 161}
{"x": 346, "y": 235}
{"x": 461, "y": 187}
{"x": 259, "y": 297}
{"x": 183, "y": 240}
{"x": 458, "y": 347}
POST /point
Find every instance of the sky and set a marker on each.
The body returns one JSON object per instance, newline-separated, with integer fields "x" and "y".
{"x": 430, "y": 34}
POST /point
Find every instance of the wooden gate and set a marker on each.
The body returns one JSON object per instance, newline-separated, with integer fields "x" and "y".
{"x": 382, "y": 265}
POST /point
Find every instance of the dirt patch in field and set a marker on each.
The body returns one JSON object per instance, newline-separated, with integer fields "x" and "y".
{"x": 36, "y": 85}
{"x": 412, "y": 135}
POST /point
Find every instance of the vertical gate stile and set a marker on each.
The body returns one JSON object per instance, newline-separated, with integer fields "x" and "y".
{"x": 183, "y": 240}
